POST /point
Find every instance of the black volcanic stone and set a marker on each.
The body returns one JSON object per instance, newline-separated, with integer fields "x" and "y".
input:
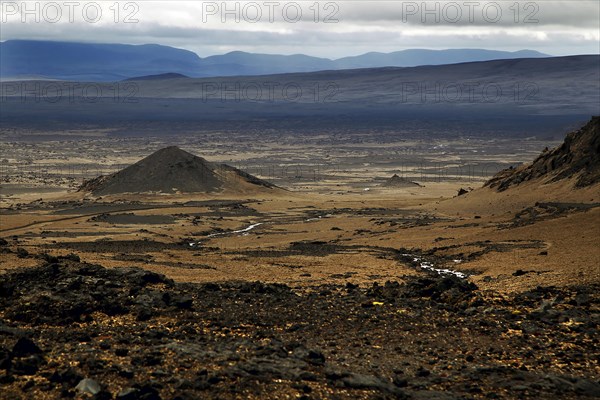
{"x": 27, "y": 365}
{"x": 25, "y": 347}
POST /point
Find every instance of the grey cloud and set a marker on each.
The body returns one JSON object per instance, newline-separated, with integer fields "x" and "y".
{"x": 576, "y": 13}
{"x": 362, "y": 28}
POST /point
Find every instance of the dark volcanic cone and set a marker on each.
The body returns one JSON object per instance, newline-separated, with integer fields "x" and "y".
{"x": 398, "y": 181}
{"x": 577, "y": 158}
{"x": 171, "y": 170}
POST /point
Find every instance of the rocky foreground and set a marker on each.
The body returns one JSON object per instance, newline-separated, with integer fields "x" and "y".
{"x": 75, "y": 330}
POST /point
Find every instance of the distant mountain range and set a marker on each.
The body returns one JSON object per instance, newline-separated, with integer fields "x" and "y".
{"x": 525, "y": 97}
{"x": 27, "y": 59}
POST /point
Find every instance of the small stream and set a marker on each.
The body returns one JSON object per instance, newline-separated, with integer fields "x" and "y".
{"x": 219, "y": 234}
{"x": 429, "y": 266}
{"x": 318, "y": 218}
{"x": 245, "y": 230}
{"x": 419, "y": 260}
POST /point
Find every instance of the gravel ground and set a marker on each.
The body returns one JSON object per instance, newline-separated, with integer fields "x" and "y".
{"x": 75, "y": 330}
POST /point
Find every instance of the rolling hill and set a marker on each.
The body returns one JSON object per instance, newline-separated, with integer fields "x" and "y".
{"x": 524, "y": 97}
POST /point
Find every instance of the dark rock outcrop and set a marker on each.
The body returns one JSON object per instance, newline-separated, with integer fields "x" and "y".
{"x": 577, "y": 158}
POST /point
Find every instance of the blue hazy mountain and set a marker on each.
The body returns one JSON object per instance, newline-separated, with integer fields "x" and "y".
{"x": 416, "y": 57}
{"x": 92, "y": 62}
{"x": 242, "y": 63}
{"x": 113, "y": 62}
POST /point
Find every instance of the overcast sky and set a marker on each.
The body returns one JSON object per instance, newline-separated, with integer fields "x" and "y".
{"x": 329, "y": 29}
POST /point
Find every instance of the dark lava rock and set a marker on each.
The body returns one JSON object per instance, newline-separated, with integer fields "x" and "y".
{"x": 147, "y": 392}
{"x": 103, "y": 395}
{"x": 27, "y": 365}
{"x": 400, "y": 381}
{"x": 583, "y": 299}
{"x": 315, "y": 357}
{"x": 79, "y": 290}
{"x": 121, "y": 352}
{"x": 147, "y": 360}
{"x": 586, "y": 387}
{"x": 360, "y": 381}
{"x": 389, "y": 291}
{"x": 22, "y": 253}
{"x": 67, "y": 376}
{"x": 5, "y": 359}
{"x": 447, "y": 288}
{"x": 129, "y": 394}
{"x": 126, "y": 373}
{"x": 71, "y": 256}
{"x": 6, "y": 379}
{"x": 183, "y": 302}
{"x": 25, "y": 347}
{"x": 256, "y": 340}
{"x": 6, "y": 289}
{"x": 50, "y": 259}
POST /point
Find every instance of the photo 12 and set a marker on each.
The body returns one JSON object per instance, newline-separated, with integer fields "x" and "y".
{"x": 265, "y": 200}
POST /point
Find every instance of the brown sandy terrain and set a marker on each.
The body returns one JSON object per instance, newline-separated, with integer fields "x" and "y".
{"x": 361, "y": 236}
{"x": 250, "y": 231}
